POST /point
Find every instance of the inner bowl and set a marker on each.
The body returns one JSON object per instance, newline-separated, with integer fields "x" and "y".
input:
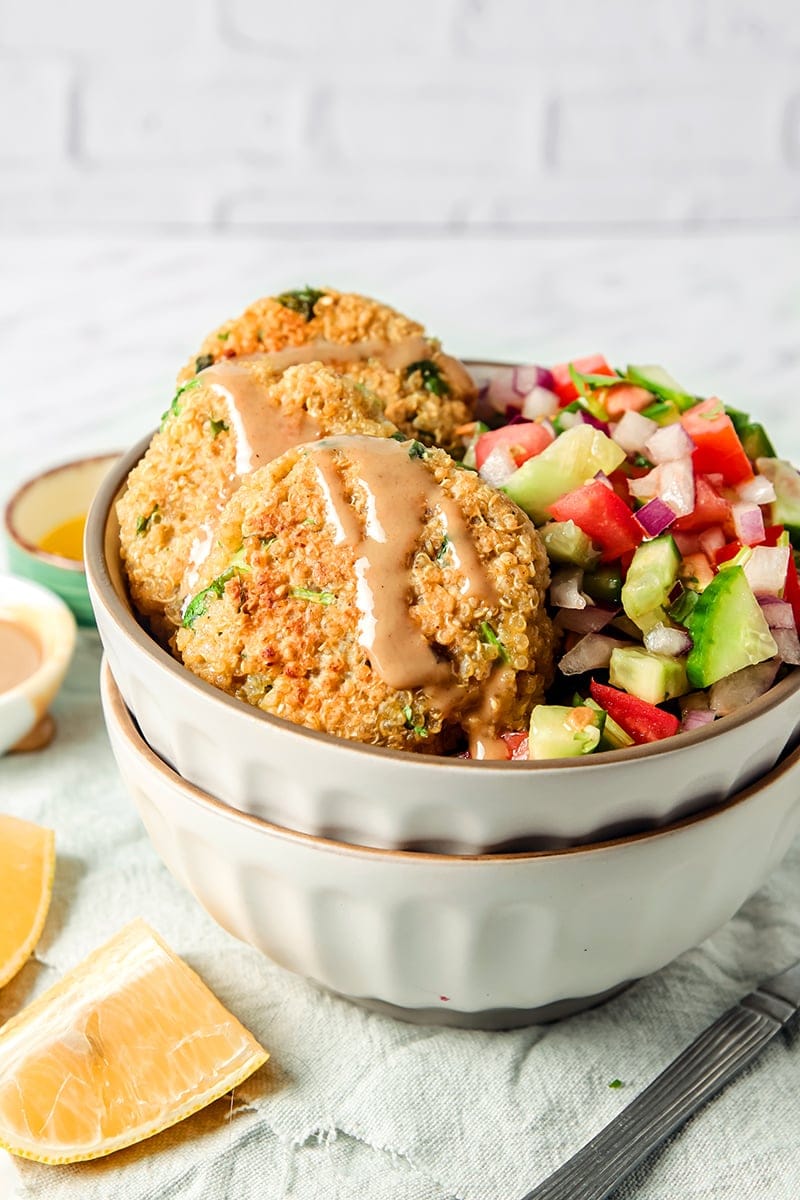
{"x": 486, "y": 941}
{"x": 43, "y": 502}
{"x": 316, "y": 783}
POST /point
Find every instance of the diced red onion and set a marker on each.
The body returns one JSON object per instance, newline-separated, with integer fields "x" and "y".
{"x": 696, "y": 718}
{"x": 734, "y": 691}
{"x": 647, "y": 486}
{"x": 655, "y": 516}
{"x": 661, "y": 639}
{"x": 777, "y": 613}
{"x": 748, "y": 521}
{"x": 676, "y": 485}
{"x": 589, "y": 654}
{"x": 632, "y": 431}
{"x": 668, "y": 443}
{"x": 539, "y": 402}
{"x": 766, "y": 569}
{"x": 519, "y": 419}
{"x": 711, "y": 540}
{"x": 758, "y": 490}
{"x": 589, "y": 419}
{"x": 565, "y": 588}
{"x": 498, "y": 466}
{"x": 788, "y": 645}
{"x": 591, "y": 619}
{"x": 601, "y": 477}
{"x": 508, "y": 386}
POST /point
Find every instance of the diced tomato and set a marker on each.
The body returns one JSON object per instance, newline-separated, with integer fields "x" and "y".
{"x": 642, "y": 721}
{"x": 718, "y": 447}
{"x": 709, "y": 508}
{"x": 730, "y": 550}
{"x": 524, "y": 440}
{"x": 516, "y": 743}
{"x": 626, "y": 397}
{"x": 791, "y": 590}
{"x": 563, "y": 386}
{"x": 603, "y": 516}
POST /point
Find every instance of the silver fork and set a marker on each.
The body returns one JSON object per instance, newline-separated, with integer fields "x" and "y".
{"x": 713, "y": 1059}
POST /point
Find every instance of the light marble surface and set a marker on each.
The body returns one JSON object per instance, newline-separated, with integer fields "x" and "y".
{"x": 92, "y": 333}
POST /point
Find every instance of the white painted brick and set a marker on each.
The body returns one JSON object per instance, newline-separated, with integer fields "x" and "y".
{"x": 766, "y": 27}
{"x": 89, "y": 26}
{"x": 34, "y": 101}
{"x": 199, "y": 120}
{"x": 354, "y": 29}
{"x": 576, "y": 29}
{"x": 464, "y": 130}
{"x": 667, "y": 130}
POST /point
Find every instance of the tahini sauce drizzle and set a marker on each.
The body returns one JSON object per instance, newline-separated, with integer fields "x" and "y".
{"x": 399, "y": 491}
{"x": 20, "y": 655}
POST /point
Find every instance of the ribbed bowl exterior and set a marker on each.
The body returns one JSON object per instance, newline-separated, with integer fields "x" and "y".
{"x": 318, "y": 784}
{"x": 442, "y": 934}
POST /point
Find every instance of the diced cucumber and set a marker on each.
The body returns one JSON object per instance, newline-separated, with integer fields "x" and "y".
{"x": 566, "y": 464}
{"x": 604, "y": 584}
{"x": 663, "y": 412}
{"x": 785, "y": 508}
{"x": 613, "y": 736}
{"x": 728, "y": 628}
{"x": 560, "y": 732}
{"x": 651, "y": 577}
{"x": 752, "y": 435}
{"x": 655, "y": 379}
{"x": 566, "y": 542}
{"x": 652, "y": 677}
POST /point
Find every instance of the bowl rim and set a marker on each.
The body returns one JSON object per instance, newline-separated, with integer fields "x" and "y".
{"x": 122, "y": 616}
{"x": 56, "y": 560}
{"x": 45, "y": 602}
{"x": 130, "y": 732}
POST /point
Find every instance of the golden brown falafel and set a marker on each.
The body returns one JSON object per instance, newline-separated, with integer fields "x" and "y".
{"x": 220, "y": 425}
{"x": 372, "y": 589}
{"x": 425, "y": 393}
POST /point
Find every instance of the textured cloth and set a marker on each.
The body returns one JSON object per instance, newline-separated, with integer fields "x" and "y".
{"x": 353, "y": 1104}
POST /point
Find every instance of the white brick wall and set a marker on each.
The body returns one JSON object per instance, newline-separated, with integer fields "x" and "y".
{"x": 498, "y": 115}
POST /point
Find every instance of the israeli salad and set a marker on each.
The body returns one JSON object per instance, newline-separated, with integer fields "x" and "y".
{"x": 671, "y": 528}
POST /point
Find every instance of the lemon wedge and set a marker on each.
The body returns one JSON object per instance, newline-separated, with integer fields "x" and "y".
{"x": 128, "y": 1043}
{"x": 27, "y": 866}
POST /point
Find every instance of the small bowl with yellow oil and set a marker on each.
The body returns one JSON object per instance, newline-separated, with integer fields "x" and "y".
{"x": 44, "y": 523}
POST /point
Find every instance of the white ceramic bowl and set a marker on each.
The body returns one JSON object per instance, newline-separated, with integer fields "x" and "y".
{"x": 51, "y": 624}
{"x": 489, "y": 941}
{"x": 316, "y": 783}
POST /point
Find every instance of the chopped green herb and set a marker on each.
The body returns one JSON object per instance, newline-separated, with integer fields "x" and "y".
{"x": 716, "y": 410}
{"x": 202, "y": 361}
{"x": 198, "y": 606}
{"x": 419, "y": 730}
{"x": 432, "y": 378}
{"x": 641, "y": 461}
{"x": 317, "y": 595}
{"x": 144, "y": 523}
{"x": 217, "y": 426}
{"x": 175, "y": 406}
{"x": 312, "y": 524}
{"x": 490, "y": 638}
{"x": 416, "y": 450}
{"x": 682, "y": 608}
{"x": 440, "y": 553}
{"x": 586, "y": 384}
{"x": 223, "y": 337}
{"x": 302, "y": 300}
{"x": 616, "y": 1083}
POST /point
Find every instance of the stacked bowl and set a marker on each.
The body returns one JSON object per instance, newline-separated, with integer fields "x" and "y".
{"x": 477, "y": 894}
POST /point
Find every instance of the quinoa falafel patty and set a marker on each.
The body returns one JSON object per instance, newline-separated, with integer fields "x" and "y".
{"x": 425, "y": 392}
{"x": 222, "y": 424}
{"x": 372, "y": 589}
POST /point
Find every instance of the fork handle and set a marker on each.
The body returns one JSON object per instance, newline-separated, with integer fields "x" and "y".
{"x": 718, "y": 1054}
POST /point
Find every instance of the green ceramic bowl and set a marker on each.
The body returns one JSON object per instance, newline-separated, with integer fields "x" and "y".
{"x": 35, "y": 509}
